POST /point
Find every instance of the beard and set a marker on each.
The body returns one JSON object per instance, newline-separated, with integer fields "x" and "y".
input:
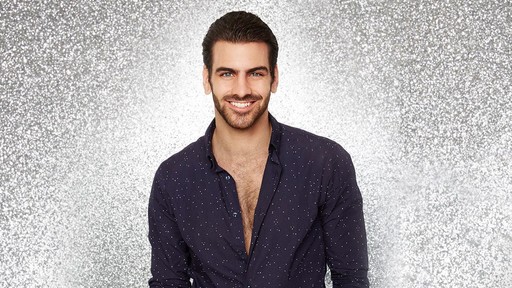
{"x": 238, "y": 120}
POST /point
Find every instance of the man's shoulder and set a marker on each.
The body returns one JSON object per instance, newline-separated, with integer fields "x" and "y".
{"x": 187, "y": 158}
{"x": 297, "y": 140}
{"x": 304, "y": 149}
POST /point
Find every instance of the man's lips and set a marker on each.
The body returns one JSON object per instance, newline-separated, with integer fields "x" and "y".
{"x": 241, "y": 104}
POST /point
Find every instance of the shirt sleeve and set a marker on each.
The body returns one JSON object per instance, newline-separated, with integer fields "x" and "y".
{"x": 344, "y": 229}
{"x": 169, "y": 252}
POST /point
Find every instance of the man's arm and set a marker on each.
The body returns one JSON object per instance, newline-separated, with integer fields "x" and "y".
{"x": 169, "y": 253}
{"x": 344, "y": 229}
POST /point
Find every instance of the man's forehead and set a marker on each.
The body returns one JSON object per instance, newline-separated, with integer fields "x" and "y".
{"x": 226, "y": 53}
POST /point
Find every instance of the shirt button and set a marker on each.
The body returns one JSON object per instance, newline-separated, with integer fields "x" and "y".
{"x": 228, "y": 177}
{"x": 235, "y": 214}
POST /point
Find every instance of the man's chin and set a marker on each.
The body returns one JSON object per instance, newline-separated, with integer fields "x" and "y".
{"x": 240, "y": 121}
{"x": 241, "y": 124}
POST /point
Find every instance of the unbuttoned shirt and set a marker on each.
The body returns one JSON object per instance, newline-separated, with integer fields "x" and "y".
{"x": 309, "y": 213}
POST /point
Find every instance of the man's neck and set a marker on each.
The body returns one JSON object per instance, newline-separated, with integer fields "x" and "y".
{"x": 230, "y": 143}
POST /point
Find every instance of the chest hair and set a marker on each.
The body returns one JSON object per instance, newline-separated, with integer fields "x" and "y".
{"x": 248, "y": 175}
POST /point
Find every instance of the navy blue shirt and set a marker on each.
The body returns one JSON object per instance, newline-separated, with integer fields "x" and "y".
{"x": 309, "y": 213}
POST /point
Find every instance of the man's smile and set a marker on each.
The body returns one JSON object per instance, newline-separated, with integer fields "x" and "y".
{"x": 241, "y": 104}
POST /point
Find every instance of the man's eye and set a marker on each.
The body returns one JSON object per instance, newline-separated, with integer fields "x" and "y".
{"x": 226, "y": 74}
{"x": 256, "y": 74}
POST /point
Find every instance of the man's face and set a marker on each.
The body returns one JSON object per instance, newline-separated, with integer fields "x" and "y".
{"x": 240, "y": 82}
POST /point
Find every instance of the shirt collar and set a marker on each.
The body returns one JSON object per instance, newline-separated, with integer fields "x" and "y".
{"x": 275, "y": 141}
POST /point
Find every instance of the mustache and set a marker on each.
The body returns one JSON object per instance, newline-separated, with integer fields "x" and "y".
{"x": 245, "y": 98}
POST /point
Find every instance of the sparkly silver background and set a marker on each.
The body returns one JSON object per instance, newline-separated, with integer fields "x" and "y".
{"x": 95, "y": 94}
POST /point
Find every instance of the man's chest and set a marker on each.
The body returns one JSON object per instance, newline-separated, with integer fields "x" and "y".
{"x": 210, "y": 208}
{"x": 248, "y": 177}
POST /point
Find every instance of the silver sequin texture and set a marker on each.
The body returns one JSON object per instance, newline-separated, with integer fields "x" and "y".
{"x": 95, "y": 94}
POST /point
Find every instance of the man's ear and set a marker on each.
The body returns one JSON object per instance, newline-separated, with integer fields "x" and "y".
{"x": 275, "y": 82}
{"x": 206, "y": 83}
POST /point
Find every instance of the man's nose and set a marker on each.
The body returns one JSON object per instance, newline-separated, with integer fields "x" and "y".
{"x": 242, "y": 87}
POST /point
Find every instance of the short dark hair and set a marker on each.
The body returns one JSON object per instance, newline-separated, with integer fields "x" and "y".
{"x": 240, "y": 27}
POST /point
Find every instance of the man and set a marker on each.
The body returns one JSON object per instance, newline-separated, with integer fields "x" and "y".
{"x": 254, "y": 203}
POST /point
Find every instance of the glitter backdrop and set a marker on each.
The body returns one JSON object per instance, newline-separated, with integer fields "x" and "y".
{"x": 95, "y": 94}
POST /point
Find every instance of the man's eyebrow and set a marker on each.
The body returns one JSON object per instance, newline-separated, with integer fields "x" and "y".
{"x": 225, "y": 69}
{"x": 257, "y": 69}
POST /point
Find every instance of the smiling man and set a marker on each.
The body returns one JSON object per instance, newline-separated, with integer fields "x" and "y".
{"x": 253, "y": 202}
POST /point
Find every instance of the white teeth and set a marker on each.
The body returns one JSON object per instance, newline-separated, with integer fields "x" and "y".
{"x": 240, "y": 104}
